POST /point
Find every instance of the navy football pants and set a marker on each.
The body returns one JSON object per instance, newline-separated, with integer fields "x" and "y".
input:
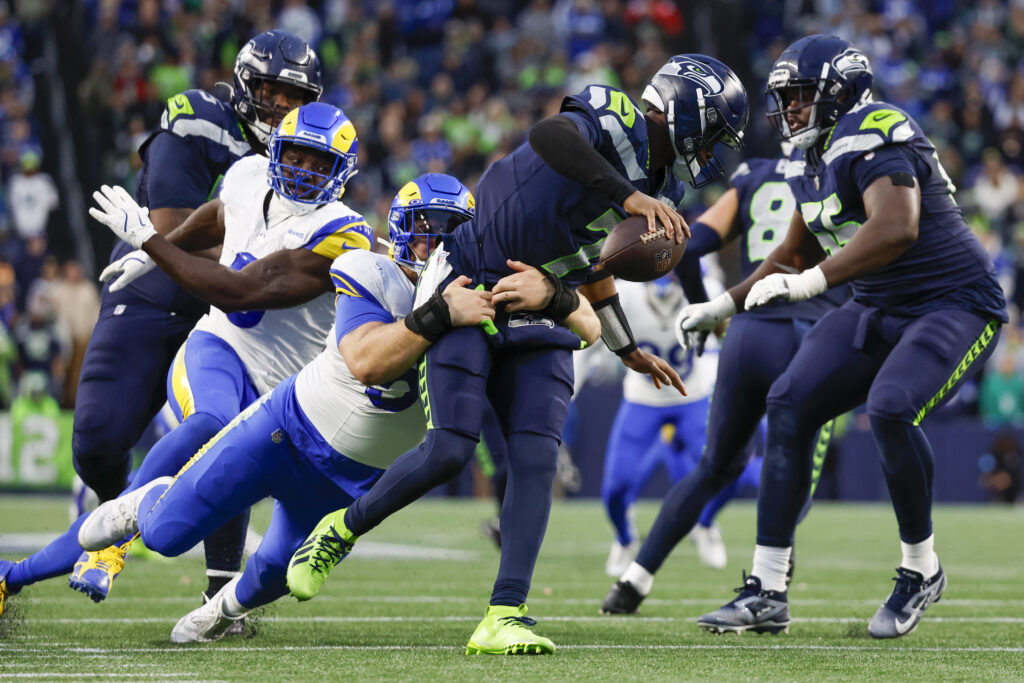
{"x": 903, "y": 368}
{"x": 754, "y": 353}
{"x": 122, "y": 387}
{"x": 530, "y": 391}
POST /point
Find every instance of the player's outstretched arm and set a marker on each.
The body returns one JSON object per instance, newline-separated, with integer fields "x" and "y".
{"x": 378, "y": 352}
{"x": 893, "y": 211}
{"x": 892, "y": 206}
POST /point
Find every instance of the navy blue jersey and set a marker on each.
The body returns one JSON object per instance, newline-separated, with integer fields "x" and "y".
{"x": 946, "y": 267}
{"x": 182, "y": 162}
{"x": 766, "y": 207}
{"x": 527, "y": 211}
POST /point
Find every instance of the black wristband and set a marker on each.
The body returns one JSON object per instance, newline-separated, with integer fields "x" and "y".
{"x": 432, "y": 319}
{"x": 564, "y": 301}
{"x": 626, "y": 350}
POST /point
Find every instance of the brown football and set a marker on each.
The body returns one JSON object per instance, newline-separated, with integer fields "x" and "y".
{"x": 632, "y": 253}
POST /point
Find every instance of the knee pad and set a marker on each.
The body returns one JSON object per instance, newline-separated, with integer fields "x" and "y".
{"x": 449, "y": 450}
{"x": 890, "y": 401}
{"x": 93, "y": 440}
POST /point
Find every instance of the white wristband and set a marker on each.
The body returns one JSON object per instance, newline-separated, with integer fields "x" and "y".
{"x": 807, "y": 284}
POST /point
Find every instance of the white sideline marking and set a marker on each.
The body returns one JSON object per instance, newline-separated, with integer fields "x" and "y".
{"x": 378, "y": 648}
{"x": 619, "y": 621}
{"x": 371, "y": 550}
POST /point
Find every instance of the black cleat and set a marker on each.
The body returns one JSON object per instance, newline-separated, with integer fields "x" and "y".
{"x": 622, "y": 598}
{"x": 754, "y": 609}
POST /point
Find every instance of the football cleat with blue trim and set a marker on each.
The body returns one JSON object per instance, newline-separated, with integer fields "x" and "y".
{"x": 5, "y": 569}
{"x": 328, "y": 544}
{"x": 115, "y": 519}
{"x": 505, "y": 631}
{"x": 754, "y": 609}
{"x": 95, "y": 571}
{"x": 901, "y": 612}
{"x": 424, "y": 209}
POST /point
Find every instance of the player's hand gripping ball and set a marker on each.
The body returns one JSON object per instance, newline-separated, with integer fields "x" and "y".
{"x": 634, "y": 253}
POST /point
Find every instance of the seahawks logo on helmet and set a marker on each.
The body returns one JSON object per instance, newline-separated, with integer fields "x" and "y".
{"x": 695, "y": 72}
{"x": 851, "y": 61}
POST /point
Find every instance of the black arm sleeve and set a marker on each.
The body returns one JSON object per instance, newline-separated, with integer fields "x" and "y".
{"x": 688, "y": 271}
{"x": 559, "y": 143}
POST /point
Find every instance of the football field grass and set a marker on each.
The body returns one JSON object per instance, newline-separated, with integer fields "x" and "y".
{"x": 404, "y": 604}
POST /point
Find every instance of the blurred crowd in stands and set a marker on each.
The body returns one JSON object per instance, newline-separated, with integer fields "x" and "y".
{"x": 451, "y": 85}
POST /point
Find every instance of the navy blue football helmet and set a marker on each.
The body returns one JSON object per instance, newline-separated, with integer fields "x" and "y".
{"x": 704, "y": 104}
{"x": 825, "y": 73}
{"x": 426, "y": 207}
{"x": 276, "y": 56}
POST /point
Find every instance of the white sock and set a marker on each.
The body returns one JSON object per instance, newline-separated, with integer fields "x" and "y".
{"x": 921, "y": 557}
{"x": 771, "y": 565}
{"x": 641, "y": 579}
{"x": 230, "y": 605}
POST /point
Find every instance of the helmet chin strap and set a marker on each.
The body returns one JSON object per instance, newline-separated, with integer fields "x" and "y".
{"x": 686, "y": 171}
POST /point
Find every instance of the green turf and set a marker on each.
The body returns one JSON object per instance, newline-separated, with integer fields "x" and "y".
{"x": 410, "y": 618}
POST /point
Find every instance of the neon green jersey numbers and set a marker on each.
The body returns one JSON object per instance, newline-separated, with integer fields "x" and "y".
{"x": 771, "y": 209}
{"x": 819, "y": 218}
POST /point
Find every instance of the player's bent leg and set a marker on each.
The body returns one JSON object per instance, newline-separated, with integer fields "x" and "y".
{"x": 233, "y": 470}
{"x": 935, "y": 355}
{"x": 121, "y": 387}
{"x": 119, "y": 518}
{"x": 453, "y": 385}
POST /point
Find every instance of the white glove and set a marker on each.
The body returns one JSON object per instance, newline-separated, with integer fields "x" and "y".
{"x": 780, "y": 287}
{"x": 702, "y": 318}
{"x": 119, "y": 212}
{"x": 127, "y": 269}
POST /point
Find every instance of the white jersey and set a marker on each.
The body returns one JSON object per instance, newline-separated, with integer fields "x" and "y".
{"x": 276, "y": 344}
{"x": 371, "y": 425}
{"x": 651, "y": 309}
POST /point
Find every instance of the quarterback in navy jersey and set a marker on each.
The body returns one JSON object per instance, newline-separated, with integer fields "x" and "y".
{"x": 876, "y": 209}
{"x": 144, "y": 316}
{"x": 549, "y": 204}
{"x": 760, "y": 343}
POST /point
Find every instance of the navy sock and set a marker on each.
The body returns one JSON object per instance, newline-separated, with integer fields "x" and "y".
{"x": 532, "y": 463}
{"x": 909, "y": 466}
{"x": 55, "y": 559}
{"x": 224, "y": 551}
{"x": 441, "y": 456}
{"x": 174, "y": 450}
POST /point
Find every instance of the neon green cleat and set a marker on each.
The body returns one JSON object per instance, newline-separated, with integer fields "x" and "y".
{"x": 504, "y": 632}
{"x": 328, "y": 545}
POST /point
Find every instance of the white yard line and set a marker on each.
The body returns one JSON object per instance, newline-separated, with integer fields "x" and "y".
{"x": 618, "y": 621}
{"x": 375, "y": 648}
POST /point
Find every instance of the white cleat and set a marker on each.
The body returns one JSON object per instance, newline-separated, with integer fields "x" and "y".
{"x": 208, "y": 623}
{"x": 111, "y": 522}
{"x": 620, "y": 557}
{"x": 710, "y": 546}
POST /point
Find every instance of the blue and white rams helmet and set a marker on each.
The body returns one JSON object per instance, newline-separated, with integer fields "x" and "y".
{"x": 326, "y": 130}
{"x": 704, "y": 104}
{"x": 426, "y": 208}
{"x": 825, "y": 73}
{"x": 276, "y": 56}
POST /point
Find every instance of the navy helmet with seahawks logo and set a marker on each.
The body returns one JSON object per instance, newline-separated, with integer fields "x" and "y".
{"x": 276, "y": 56}
{"x": 825, "y": 73}
{"x": 704, "y": 104}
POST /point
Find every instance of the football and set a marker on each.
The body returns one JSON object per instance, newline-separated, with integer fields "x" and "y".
{"x": 633, "y": 253}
